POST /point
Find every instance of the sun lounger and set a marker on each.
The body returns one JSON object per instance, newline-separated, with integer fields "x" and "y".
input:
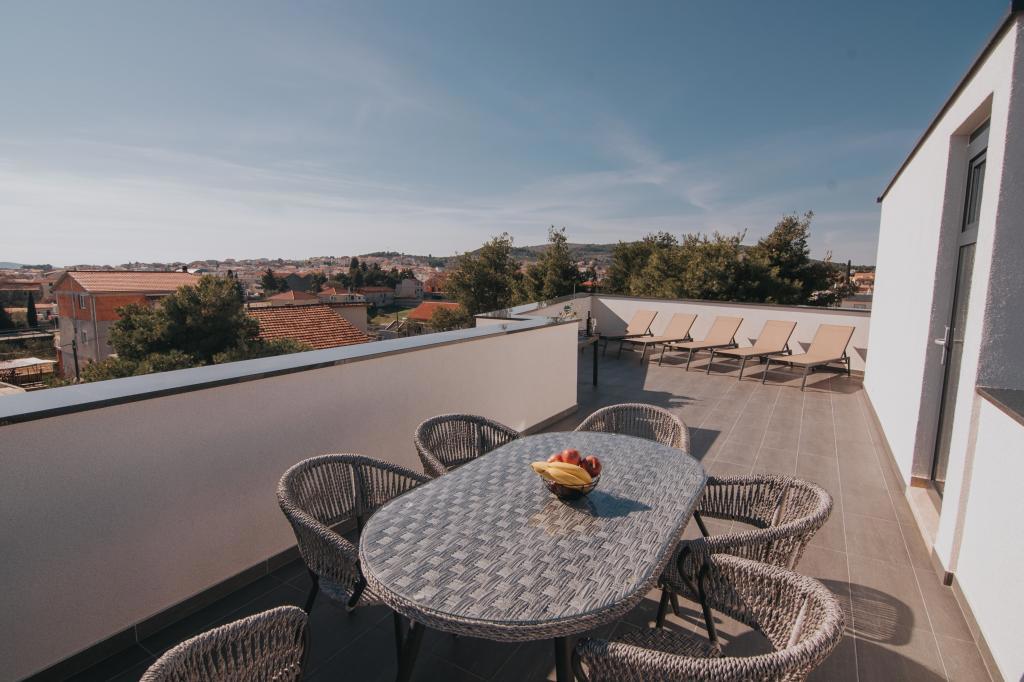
{"x": 640, "y": 325}
{"x": 678, "y": 329}
{"x": 828, "y": 346}
{"x": 773, "y": 340}
{"x": 721, "y": 335}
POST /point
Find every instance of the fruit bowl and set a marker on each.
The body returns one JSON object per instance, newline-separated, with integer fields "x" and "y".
{"x": 568, "y": 475}
{"x": 565, "y": 491}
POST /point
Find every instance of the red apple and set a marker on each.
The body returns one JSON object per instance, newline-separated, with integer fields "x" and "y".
{"x": 571, "y": 456}
{"x": 593, "y": 465}
{"x": 557, "y": 457}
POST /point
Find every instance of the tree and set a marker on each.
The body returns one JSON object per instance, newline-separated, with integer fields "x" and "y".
{"x": 6, "y": 322}
{"x": 630, "y": 259}
{"x": 31, "y": 316}
{"x": 207, "y": 318}
{"x": 485, "y": 280}
{"x": 554, "y": 274}
{"x": 712, "y": 267}
{"x": 272, "y": 283}
{"x": 319, "y": 279}
{"x": 448, "y": 318}
{"x": 197, "y": 325}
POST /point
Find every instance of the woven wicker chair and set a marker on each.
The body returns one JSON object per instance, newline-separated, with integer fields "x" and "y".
{"x": 785, "y": 513}
{"x": 640, "y": 420}
{"x": 267, "y": 646}
{"x": 322, "y": 497}
{"x": 450, "y": 440}
{"x": 798, "y": 615}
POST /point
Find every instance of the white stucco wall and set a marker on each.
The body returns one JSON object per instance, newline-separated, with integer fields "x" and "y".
{"x": 913, "y": 284}
{"x": 613, "y": 313}
{"x": 992, "y": 545}
{"x": 111, "y": 515}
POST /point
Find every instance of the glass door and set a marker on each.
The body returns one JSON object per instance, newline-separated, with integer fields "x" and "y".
{"x": 952, "y": 341}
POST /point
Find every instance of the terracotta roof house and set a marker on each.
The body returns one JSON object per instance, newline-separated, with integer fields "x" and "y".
{"x": 315, "y": 325}
{"x": 87, "y": 303}
{"x": 425, "y": 311}
{"x": 293, "y": 297}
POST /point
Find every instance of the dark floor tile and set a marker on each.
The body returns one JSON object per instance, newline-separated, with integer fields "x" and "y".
{"x": 480, "y": 657}
{"x": 887, "y": 604}
{"x": 119, "y": 664}
{"x": 775, "y": 460}
{"x": 947, "y": 619}
{"x": 737, "y": 453}
{"x": 868, "y": 501}
{"x": 785, "y": 440}
{"x": 963, "y": 661}
{"x": 840, "y": 666}
{"x": 917, "y": 660}
{"x": 875, "y": 539}
{"x": 204, "y": 619}
{"x": 831, "y": 535}
{"x": 821, "y": 470}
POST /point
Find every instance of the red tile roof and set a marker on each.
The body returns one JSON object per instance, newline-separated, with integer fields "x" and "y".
{"x": 293, "y": 296}
{"x": 424, "y": 311}
{"x": 315, "y": 325}
{"x": 105, "y": 281}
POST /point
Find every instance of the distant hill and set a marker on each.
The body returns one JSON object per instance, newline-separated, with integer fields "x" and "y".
{"x": 602, "y": 253}
{"x": 9, "y": 266}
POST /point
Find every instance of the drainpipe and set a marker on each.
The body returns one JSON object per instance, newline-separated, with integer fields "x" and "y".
{"x": 95, "y": 329}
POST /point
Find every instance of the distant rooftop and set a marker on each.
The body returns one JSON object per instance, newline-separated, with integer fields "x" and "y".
{"x": 315, "y": 325}
{"x": 424, "y": 311}
{"x": 293, "y": 296}
{"x": 107, "y": 281}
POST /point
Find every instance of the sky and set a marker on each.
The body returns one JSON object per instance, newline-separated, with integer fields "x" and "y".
{"x": 179, "y": 131}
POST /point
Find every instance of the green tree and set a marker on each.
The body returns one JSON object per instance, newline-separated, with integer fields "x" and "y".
{"x": 712, "y": 268}
{"x": 31, "y": 316}
{"x": 630, "y": 259}
{"x": 272, "y": 283}
{"x": 319, "y": 279}
{"x": 485, "y": 280}
{"x": 261, "y": 349}
{"x": 554, "y": 274}
{"x": 197, "y": 325}
{"x": 446, "y": 319}
{"x": 140, "y": 331}
{"x": 6, "y": 321}
{"x": 207, "y": 318}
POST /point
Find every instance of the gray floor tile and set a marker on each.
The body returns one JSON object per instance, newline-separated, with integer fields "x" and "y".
{"x": 875, "y": 539}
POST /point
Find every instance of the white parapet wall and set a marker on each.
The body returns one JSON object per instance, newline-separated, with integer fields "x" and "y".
{"x": 614, "y": 312}
{"x": 114, "y": 513}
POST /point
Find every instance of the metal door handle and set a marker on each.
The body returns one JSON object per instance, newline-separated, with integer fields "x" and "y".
{"x": 942, "y": 342}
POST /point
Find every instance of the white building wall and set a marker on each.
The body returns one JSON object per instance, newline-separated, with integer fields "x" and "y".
{"x": 913, "y": 284}
{"x": 992, "y": 545}
{"x": 111, "y": 515}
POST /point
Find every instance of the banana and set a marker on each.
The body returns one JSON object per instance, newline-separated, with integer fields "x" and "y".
{"x": 562, "y": 472}
{"x": 576, "y": 470}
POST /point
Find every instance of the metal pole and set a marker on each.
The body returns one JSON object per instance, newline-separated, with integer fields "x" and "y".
{"x": 74, "y": 352}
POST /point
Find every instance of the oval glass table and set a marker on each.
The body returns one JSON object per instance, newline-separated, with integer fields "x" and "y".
{"x": 487, "y": 551}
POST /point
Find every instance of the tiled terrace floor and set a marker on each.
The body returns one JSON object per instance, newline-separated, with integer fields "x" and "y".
{"x": 901, "y": 623}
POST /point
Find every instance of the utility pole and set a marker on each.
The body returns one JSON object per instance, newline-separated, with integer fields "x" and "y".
{"x": 74, "y": 353}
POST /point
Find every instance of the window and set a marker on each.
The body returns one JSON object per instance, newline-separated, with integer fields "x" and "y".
{"x": 85, "y": 337}
{"x": 81, "y": 301}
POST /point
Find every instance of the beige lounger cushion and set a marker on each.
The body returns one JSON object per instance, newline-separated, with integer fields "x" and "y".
{"x": 678, "y": 329}
{"x": 638, "y": 326}
{"x": 722, "y": 333}
{"x": 828, "y": 345}
{"x": 773, "y": 338}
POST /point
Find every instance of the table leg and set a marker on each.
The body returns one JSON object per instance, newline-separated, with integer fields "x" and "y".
{"x": 410, "y": 648}
{"x": 595, "y": 364}
{"x": 563, "y": 659}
